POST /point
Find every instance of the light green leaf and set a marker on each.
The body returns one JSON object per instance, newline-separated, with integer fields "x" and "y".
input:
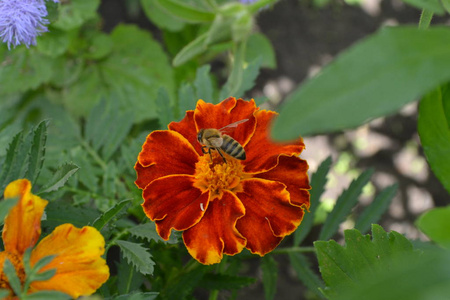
{"x": 164, "y": 108}
{"x": 137, "y": 256}
{"x": 306, "y": 275}
{"x": 110, "y": 215}
{"x": 160, "y": 17}
{"x": 194, "y": 48}
{"x": 186, "y": 99}
{"x": 185, "y": 12}
{"x": 373, "y": 212}
{"x": 259, "y": 45}
{"x": 318, "y": 182}
{"x": 74, "y": 13}
{"x": 54, "y": 43}
{"x": 344, "y": 204}
{"x": 374, "y": 78}
{"x": 60, "y": 177}
{"x": 13, "y": 279}
{"x": 5, "y": 207}
{"x": 47, "y": 295}
{"x": 269, "y": 269}
{"x": 203, "y": 84}
{"x": 434, "y": 6}
{"x": 435, "y": 224}
{"x": 434, "y": 131}
{"x": 37, "y": 151}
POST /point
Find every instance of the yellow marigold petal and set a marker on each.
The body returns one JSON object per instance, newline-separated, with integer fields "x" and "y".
{"x": 23, "y": 223}
{"x": 80, "y": 270}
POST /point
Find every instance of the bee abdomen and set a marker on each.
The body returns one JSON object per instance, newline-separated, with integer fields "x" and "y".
{"x": 233, "y": 148}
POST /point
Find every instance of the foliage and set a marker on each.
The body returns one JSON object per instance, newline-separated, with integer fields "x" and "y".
{"x": 77, "y": 107}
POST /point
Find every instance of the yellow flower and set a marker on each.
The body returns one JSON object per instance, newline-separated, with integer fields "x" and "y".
{"x": 80, "y": 270}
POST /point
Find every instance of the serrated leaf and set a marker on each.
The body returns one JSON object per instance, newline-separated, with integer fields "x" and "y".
{"x": 138, "y": 296}
{"x": 344, "y": 204}
{"x": 185, "y": 12}
{"x": 109, "y": 215}
{"x": 341, "y": 266}
{"x": 318, "y": 182}
{"x": 186, "y": 99}
{"x": 37, "y": 151}
{"x": 404, "y": 64}
{"x": 148, "y": 231}
{"x": 16, "y": 160}
{"x": 11, "y": 154}
{"x": 60, "y": 177}
{"x": 434, "y": 131}
{"x": 164, "y": 108}
{"x": 203, "y": 84}
{"x": 226, "y": 282}
{"x": 13, "y": 279}
{"x": 59, "y": 213}
{"x": 47, "y": 295}
{"x": 374, "y": 211}
{"x": 435, "y": 223}
{"x": 5, "y": 207}
{"x": 269, "y": 269}
{"x": 307, "y": 276}
{"x": 137, "y": 256}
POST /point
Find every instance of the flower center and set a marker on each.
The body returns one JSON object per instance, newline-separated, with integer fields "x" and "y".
{"x": 18, "y": 266}
{"x": 217, "y": 176}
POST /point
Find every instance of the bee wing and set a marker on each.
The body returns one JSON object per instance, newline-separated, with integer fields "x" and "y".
{"x": 234, "y": 124}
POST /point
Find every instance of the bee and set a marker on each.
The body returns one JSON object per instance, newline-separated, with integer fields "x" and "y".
{"x": 214, "y": 139}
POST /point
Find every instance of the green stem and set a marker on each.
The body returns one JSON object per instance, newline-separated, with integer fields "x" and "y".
{"x": 113, "y": 241}
{"x": 425, "y": 19}
{"x": 293, "y": 250}
{"x": 254, "y": 7}
{"x": 220, "y": 269}
{"x": 94, "y": 154}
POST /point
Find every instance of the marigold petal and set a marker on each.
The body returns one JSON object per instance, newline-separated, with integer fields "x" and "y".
{"x": 23, "y": 224}
{"x": 216, "y": 232}
{"x": 228, "y": 111}
{"x": 173, "y": 202}
{"x": 188, "y": 129}
{"x": 269, "y": 215}
{"x": 80, "y": 270}
{"x": 262, "y": 152}
{"x": 155, "y": 161}
{"x": 291, "y": 171}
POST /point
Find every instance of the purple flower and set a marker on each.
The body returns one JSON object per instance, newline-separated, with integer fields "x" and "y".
{"x": 21, "y": 21}
{"x": 247, "y": 1}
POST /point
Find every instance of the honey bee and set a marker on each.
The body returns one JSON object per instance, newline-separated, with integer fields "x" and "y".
{"x": 215, "y": 139}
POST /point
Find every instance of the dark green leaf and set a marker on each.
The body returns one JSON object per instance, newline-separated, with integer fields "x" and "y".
{"x": 37, "y": 151}
{"x": 60, "y": 177}
{"x": 138, "y": 296}
{"x": 5, "y": 207}
{"x": 110, "y": 215}
{"x": 434, "y": 6}
{"x": 225, "y": 282}
{"x": 203, "y": 84}
{"x": 137, "y": 256}
{"x": 160, "y": 17}
{"x": 59, "y": 213}
{"x": 435, "y": 223}
{"x": 318, "y": 182}
{"x": 269, "y": 276}
{"x": 185, "y": 12}
{"x": 307, "y": 276}
{"x": 128, "y": 279}
{"x": 374, "y": 211}
{"x": 11, "y": 156}
{"x": 181, "y": 286}
{"x": 374, "y": 78}
{"x": 344, "y": 204}
{"x": 434, "y": 132}
{"x": 148, "y": 231}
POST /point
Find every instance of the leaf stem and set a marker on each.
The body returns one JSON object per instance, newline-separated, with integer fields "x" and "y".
{"x": 112, "y": 242}
{"x": 293, "y": 250}
{"x": 425, "y": 19}
{"x": 94, "y": 154}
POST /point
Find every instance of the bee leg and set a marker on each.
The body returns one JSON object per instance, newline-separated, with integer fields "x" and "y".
{"x": 204, "y": 151}
{"x": 210, "y": 155}
{"x": 224, "y": 160}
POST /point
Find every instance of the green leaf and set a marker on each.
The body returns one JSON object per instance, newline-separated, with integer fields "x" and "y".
{"x": 194, "y": 48}
{"x": 374, "y": 211}
{"x": 318, "y": 182}
{"x": 54, "y": 43}
{"x": 47, "y": 295}
{"x": 435, "y": 223}
{"x": 434, "y": 131}
{"x": 164, "y": 108}
{"x": 225, "y": 282}
{"x": 269, "y": 269}
{"x": 307, "y": 276}
{"x": 186, "y": 98}
{"x": 138, "y": 296}
{"x": 374, "y": 78}
{"x": 185, "y": 12}
{"x": 148, "y": 231}
{"x": 60, "y": 177}
{"x": 74, "y": 13}
{"x": 434, "y": 6}
{"x": 160, "y": 17}
{"x": 137, "y": 256}
{"x": 110, "y": 215}
{"x": 259, "y": 45}
{"x": 344, "y": 204}
{"x": 11, "y": 154}
{"x": 341, "y": 267}
{"x": 37, "y": 151}
{"x": 59, "y": 212}
{"x": 4, "y": 293}
{"x": 128, "y": 279}
{"x": 5, "y": 207}
{"x": 16, "y": 160}
{"x": 203, "y": 84}
{"x": 13, "y": 279}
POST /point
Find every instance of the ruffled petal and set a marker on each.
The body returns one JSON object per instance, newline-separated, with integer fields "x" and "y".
{"x": 262, "y": 152}
{"x": 164, "y": 153}
{"x": 216, "y": 232}
{"x": 292, "y": 172}
{"x": 80, "y": 270}
{"x": 269, "y": 215}
{"x": 188, "y": 129}
{"x": 173, "y": 202}
{"x": 23, "y": 224}
{"x": 228, "y": 111}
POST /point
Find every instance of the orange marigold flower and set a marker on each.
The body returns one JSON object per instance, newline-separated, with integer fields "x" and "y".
{"x": 226, "y": 204}
{"x": 80, "y": 270}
